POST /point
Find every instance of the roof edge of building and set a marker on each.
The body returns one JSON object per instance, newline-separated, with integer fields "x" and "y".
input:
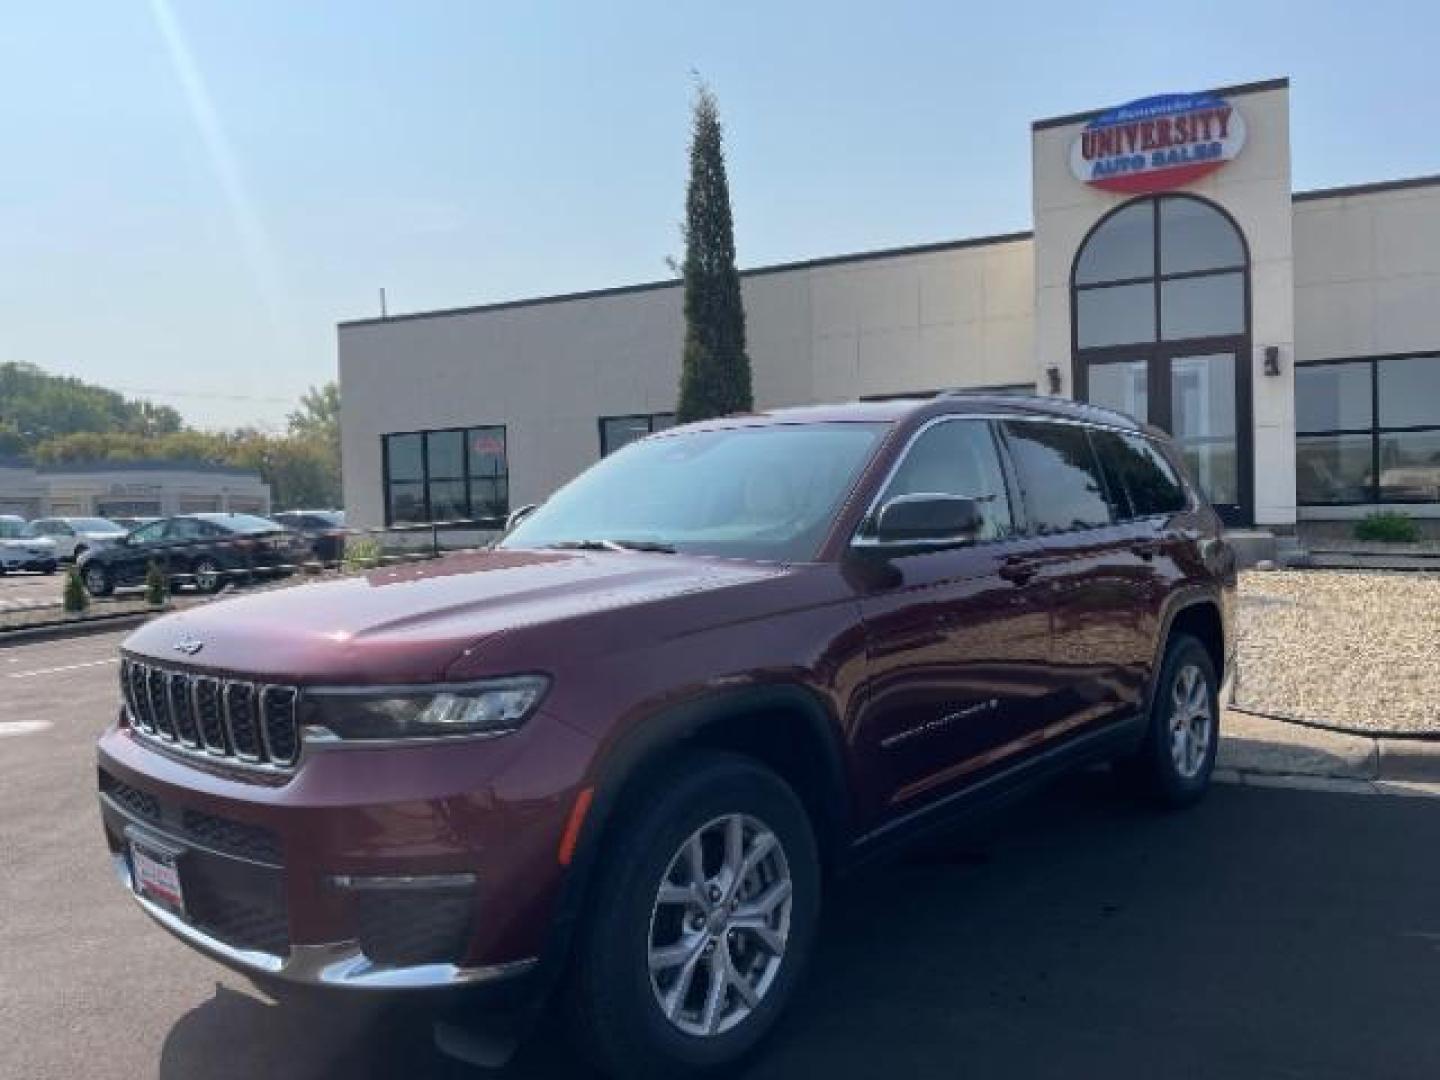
{"x": 1238, "y": 89}
{"x": 673, "y": 283}
{"x": 1375, "y": 187}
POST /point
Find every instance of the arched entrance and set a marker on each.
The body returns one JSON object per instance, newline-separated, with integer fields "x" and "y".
{"x": 1160, "y": 329}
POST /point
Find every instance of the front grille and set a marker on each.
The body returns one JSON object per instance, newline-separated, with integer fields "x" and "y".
{"x": 242, "y": 721}
{"x": 253, "y": 842}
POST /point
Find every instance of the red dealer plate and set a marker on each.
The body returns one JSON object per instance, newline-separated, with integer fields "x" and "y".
{"x": 155, "y": 869}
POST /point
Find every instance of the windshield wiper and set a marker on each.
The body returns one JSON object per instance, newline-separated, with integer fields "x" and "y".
{"x": 614, "y": 545}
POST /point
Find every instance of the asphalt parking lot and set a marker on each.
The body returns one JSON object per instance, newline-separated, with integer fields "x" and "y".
{"x": 27, "y": 585}
{"x": 1268, "y": 933}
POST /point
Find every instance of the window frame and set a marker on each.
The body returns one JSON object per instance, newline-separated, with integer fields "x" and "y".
{"x": 1158, "y": 277}
{"x": 1374, "y": 432}
{"x": 1101, "y": 473}
{"x": 465, "y": 478}
{"x": 1014, "y": 499}
{"x": 650, "y": 428}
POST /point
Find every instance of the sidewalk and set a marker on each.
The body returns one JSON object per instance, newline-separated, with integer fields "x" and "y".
{"x": 1259, "y": 750}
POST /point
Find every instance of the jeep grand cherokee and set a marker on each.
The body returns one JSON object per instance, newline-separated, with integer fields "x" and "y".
{"x": 614, "y": 760}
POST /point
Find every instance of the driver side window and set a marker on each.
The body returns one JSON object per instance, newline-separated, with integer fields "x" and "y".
{"x": 958, "y": 457}
{"x": 148, "y": 534}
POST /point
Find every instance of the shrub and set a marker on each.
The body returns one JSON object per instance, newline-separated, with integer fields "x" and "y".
{"x": 75, "y": 599}
{"x": 361, "y": 554}
{"x": 156, "y": 587}
{"x": 1387, "y": 527}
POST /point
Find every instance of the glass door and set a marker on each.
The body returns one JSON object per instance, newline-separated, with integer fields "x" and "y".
{"x": 1198, "y": 397}
{"x": 1203, "y": 422}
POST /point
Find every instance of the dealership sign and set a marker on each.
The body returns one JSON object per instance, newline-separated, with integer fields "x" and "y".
{"x": 1157, "y": 142}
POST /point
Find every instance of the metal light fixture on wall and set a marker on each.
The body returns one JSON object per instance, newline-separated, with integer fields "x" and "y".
{"x": 1272, "y": 359}
{"x": 1052, "y": 376}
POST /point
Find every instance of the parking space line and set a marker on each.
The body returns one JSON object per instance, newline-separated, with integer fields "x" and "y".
{"x": 57, "y": 670}
{"x": 23, "y": 727}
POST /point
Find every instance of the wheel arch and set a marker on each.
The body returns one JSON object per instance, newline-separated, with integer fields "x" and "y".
{"x": 787, "y": 728}
{"x": 1196, "y": 614}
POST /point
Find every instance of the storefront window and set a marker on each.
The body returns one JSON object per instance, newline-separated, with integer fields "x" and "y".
{"x": 1346, "y": 453}
{"x": 1208, "y": 306}
{"x": 458, "y": 474}
{"x": 620, "y": 431}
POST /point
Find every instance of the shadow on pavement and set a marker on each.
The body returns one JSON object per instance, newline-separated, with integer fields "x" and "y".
{"x": 1264, "y": 933}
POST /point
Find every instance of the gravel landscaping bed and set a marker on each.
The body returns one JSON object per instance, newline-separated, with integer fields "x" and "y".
{"x": 1357, "y": 650}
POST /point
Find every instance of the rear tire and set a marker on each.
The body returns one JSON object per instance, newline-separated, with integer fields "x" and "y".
{"x": 668, "y": 923}
{"x": 1174, "y": 763}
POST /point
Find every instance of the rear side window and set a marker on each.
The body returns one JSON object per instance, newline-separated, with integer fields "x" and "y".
{"x": 957, "y": 457}
{"x": 1059, "y": 475}
{"x": 1135, "y": 466}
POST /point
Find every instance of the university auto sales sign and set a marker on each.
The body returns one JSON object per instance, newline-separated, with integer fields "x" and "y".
{"x": 1157, "y": 143}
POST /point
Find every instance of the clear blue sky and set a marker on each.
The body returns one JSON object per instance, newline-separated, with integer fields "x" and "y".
{"x": 192, "y": 194}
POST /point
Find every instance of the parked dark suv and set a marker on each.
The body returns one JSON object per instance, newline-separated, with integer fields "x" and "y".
{"x": 621, "y": 754}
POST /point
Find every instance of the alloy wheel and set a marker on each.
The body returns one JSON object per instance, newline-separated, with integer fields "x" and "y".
{"x": 719, "y": 925}
{"x": 1191, "y": 722}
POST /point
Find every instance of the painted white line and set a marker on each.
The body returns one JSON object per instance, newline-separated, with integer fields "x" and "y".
{"x": 57, "y": 670}
{"x": 23, "y": 727}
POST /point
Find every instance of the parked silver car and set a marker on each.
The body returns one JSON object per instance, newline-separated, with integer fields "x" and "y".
{"x": 74, "y": 536}
{"x": 21, "y": 549}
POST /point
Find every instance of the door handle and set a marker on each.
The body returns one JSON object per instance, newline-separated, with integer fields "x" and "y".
{"x": 1017, "y": 571}
{"x": 1146, "y": 549}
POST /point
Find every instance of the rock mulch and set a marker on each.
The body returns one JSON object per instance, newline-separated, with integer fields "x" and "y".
{"x": 1356, "y": 650}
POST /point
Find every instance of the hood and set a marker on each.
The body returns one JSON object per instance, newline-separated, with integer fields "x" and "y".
{"x": 409, "y": 624}
{"x": 28, "y": 543}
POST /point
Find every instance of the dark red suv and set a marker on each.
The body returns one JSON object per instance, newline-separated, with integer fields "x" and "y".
{"x": 621, "y": 753}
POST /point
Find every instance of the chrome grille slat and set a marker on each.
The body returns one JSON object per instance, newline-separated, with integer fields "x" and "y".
{"x": 249, "y": 723}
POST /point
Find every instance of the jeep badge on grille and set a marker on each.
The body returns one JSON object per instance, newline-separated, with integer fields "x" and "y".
{"x": 188, "y": 646}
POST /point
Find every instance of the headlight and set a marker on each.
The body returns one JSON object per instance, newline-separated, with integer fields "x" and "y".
{"x": 494, "y": 707}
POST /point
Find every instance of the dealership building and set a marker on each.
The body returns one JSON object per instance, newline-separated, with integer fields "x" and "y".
{"x": 128, "y": 489}
{"x": 1289, "y": 340}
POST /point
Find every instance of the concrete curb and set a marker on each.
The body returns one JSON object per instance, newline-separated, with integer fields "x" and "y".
{"x": 1253, "y": 748}
{"x": 95, "y": 624}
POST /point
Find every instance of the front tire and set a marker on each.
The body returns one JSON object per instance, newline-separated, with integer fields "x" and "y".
{"x": 702, "y": 919}
{"x": 208, "y": 577}
{"x": 96, "y": 580}
{"x": 1174, "y": 763}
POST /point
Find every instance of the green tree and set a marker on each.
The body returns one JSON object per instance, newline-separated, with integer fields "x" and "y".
{"x": 714, "y": 369}
{"x": 36, "y": 406}
{"x": 319, "y": 414}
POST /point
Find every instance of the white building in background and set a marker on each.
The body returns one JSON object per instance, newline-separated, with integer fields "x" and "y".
{"x": 1290, "y": 341}
{"x": 129, "y": 489}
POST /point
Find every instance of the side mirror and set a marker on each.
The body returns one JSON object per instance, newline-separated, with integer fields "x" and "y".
{"x": 520, "y": 514}
{"x": 908, "y": 524}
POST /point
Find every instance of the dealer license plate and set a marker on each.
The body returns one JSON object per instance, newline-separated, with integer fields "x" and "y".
{"x": 156, "y": 872}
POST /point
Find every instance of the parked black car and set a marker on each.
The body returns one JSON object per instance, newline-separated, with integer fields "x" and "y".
{"x": 204, "y": 550}
{"x": 325, "y": 529}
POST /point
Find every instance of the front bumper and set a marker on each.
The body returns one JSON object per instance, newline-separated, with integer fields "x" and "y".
{"x": 42, "y": 563}
{"x": 403, "y": 868}
{"x": 339, "y": 964}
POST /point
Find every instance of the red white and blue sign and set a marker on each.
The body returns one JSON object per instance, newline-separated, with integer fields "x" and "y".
{"x": 1157, "y": 143}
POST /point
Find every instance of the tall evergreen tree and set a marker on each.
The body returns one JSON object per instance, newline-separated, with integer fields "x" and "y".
{"x": 714, "y": 371}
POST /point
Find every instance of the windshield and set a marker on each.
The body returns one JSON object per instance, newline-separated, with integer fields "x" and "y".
{"x": 94, "y": 525}
{"x": 758, "y": 492}
{"x": 240, "y": 523}
{"x": 14, "y": 528}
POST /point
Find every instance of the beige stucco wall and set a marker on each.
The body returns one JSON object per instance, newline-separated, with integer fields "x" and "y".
{"x": 1255, "y": 189}
{"x": 1367, "y": 273}
{"x": 958, "y": 316}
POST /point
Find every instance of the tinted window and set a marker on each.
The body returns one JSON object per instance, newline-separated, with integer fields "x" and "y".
{"x": 957, "y": 457}
{"x": 1409, "y": 391}
{"x": 1137, "y": 470}
{"x": 1332, "y": 397}
{"x": 1124, "y": 247}
{"x": 1059, "y": 475}
{"x": 1196, "y": 236}
{"x": 242, "y": 523}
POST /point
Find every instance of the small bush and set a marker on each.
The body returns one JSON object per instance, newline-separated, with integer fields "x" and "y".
{"x": 156, "y": 587}
{"x": 75, "y": 598}
{"x": 361, "y": 554}
{"x": 1387, "y": 527}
